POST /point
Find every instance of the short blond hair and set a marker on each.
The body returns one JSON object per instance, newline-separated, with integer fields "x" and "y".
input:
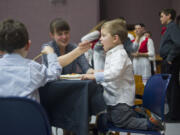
{"x": 116, "y": 27}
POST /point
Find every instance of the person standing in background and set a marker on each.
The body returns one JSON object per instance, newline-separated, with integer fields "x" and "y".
{"x": 144, "y": 54}
{"x": 170, "y": 52}
{"x": 148, "y": 34}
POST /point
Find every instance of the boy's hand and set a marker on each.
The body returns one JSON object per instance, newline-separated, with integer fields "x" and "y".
{"x": 47, "y": 50}
{"x": 84, "y": 46}
{"x": 90, "y": 71}
{"x": 88, "y": 77}
{"x": 169, "y": 62}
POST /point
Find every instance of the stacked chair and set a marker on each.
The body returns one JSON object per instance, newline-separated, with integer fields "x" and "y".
{"x": 22, "y": 116}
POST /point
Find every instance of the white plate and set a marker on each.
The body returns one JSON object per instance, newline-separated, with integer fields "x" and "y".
{"x": 71, "y": 76}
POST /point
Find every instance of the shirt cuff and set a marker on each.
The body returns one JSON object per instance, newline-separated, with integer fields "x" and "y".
{"x": 52, "y": 57}
{"x": 99, "y": 76}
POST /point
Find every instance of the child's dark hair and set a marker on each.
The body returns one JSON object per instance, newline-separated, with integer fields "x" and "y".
{"x": 168, "y": 11}
{"x": 130, "y": 27}
{"x": 13, "y": 35}
{"x": 58, "y": 24}
{"x": 141, "y": 24}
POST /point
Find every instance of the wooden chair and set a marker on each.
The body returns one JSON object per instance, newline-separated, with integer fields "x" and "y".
{"x": 139, "y": 89}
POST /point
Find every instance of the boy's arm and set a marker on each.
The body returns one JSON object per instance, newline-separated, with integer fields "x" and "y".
{"x": 40, "y": 74}
{"x": 88, "y": 77}
{"x": 115, "y": 70}
{"x": 54, "y": 68}
{"x": 98, "y": 76}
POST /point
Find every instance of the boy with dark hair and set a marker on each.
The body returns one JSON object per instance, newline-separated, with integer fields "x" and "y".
{"x": 144, "y": 55}
{"x": 20, "y": 76}
{"x": 170, "y": 52}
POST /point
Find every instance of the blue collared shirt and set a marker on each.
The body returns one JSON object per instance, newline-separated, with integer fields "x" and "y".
{"x": 22, "y": 77}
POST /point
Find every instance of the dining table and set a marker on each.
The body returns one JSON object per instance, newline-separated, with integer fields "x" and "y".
{"x": 69, "y": 104}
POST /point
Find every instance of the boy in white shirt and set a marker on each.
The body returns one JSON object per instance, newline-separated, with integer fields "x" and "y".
{"x": 118, "y": 80}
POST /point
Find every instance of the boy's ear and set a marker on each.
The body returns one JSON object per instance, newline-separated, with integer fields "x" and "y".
{"x": 116, "y": 38}
{"x": 28, "y": 45}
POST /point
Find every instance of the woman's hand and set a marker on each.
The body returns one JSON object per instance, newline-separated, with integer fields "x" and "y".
{"x": 84, "y": 46}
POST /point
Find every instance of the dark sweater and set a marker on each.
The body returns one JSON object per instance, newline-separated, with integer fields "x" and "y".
{"x": 170, "y": 42}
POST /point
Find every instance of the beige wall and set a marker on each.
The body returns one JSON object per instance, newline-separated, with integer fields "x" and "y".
{"x": 176, "y": 6}
{"x": 82, "y": 15}
{"x": 135, "y": 11}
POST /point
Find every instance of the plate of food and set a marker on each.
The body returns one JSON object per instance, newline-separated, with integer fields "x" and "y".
{"x": 71, "y": 76}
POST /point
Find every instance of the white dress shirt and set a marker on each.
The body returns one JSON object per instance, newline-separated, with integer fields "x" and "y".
{"x": 22, "y": 77}
{"x": 117, "y": 78}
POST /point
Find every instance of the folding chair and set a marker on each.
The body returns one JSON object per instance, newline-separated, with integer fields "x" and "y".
{"x": 153, "y": 100}
{"x": 22, "y": 116}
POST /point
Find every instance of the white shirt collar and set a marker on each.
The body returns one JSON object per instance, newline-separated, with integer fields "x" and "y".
{"x": 12, "y": 55}
{"x": 120, "y": 46}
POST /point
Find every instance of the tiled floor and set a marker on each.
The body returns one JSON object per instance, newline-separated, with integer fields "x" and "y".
{"x": 171, "y": 129}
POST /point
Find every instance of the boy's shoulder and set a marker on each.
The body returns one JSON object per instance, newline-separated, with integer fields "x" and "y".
{"x": 18, "y": 62}
{"x": 117, "y": 51}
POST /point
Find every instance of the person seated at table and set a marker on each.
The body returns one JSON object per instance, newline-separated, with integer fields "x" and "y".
{"x": 60, "y": 34}
{"x": 118, "y": 81}
{"x": 21, "y": 76}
